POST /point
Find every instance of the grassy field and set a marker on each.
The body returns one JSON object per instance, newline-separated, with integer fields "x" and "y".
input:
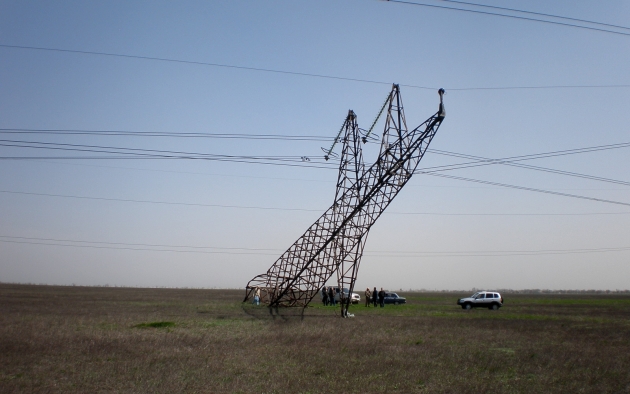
{"x": 77, "y": 339}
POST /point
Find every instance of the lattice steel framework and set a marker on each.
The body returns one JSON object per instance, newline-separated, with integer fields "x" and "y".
{"x": 335, "y": 242}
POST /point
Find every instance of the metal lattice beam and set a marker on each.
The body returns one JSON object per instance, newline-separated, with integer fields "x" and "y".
{"x": 335, "y": 242}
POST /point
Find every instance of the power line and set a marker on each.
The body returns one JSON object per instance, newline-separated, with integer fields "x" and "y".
{"x": 126, "y": 133}
{"x": 296, "y": 209}
{"x": 276, "y": 137}
{"x": 138, "y": 153}
{"x": 261, "y": 177}
{"x": 159, "y": 202}
{"x": 185, "y": 172}
{"x": 539, "y": 87}
{"x": 499, "y": 253}
{"x": 192, "y": 62}
{"x": 136, "y": 249}
{"x": 154, "y": 157}
{"x": 508, "y": 214}
{"x": 513, "y": 159}
{"x": 138, "y": 244}
{"x": 186, "y": 155}
{"x": 253, "y": 251}
{"x": 536, "y": 13}
{"x": 133, "y": 151}
{"x": 302, "y": 74}
{"x": 530, "y": 167}
{"x": 479, "y": 161}
{"x": 510, "y": 16}
{"x": 425, "y": 171}
{"x": 307, "y": 162}
{"x": 531, "y": 189}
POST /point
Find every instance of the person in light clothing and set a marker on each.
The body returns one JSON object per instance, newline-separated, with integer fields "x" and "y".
{"x": 257, "y": 296}
{"x": 368, "y": 294}
{"x": 381, "y": 297}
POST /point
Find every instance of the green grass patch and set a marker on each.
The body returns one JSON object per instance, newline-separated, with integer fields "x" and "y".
{"x": 157, "y": 324}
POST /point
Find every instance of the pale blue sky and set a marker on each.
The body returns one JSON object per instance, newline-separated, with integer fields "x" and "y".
{"x": 368, "y": 40}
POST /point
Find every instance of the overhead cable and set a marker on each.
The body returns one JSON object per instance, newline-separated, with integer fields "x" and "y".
{"x": 137, "y": 249}
{"x": 487, "y": 161}
{"x": 531, "y": 189}
{"x": 158, "y": 202}
{"x": 302, "y": 74}
{"x": 426, "y": 171}
{"x": 513, "y": 159}
{"x": 139, "y": 244}
{"x": 155, "y": 153}
{"x": 134, "y": 151}
{"x": 250, "y": 251}
{"x": 536, "y": 13}
{"x": 510, "y": 16}
{"x": 125, "y": 133}
{"x": 294, "y": 209}
{"x": 198, "y": 63}
{"x": 138, "y": 153}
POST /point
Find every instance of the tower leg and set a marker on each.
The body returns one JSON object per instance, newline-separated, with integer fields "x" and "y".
{"x": 347, "y": 273}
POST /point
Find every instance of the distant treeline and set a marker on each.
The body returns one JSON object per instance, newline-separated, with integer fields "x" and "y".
{"x": 506, "y": 291}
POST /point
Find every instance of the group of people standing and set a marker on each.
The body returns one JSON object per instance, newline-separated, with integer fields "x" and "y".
{"x": 328, "y": 296}
{"x": 374, "y": 297}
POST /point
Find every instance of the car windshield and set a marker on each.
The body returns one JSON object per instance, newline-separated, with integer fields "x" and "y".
{"x": 474, "y": 295}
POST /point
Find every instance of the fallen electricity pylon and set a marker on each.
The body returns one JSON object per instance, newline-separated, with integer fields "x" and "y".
{"x": 335, "y": 242}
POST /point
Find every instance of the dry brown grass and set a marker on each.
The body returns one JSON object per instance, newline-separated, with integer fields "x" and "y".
{"x": 75, "y": 339}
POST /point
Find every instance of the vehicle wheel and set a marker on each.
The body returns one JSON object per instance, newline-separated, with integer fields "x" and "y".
{"x": 495, "y": 307}
{"x": 396, "y": 303}
{"x": 467, "y": 307}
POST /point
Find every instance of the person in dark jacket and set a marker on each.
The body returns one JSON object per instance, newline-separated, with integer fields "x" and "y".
{"x": 375, "y": 296}
{"x": 381, "y": 297}
{"x": 331, "y": 296}
{"x": 325, "y": 296}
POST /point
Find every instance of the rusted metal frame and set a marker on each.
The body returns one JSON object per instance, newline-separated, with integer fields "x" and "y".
{"x": 347, "y": 275}
{"x": 385, "y": 196}
{"x": 351, "y": 186}
{"x": 312, "y": 259}
{"x": 351, "y": 150}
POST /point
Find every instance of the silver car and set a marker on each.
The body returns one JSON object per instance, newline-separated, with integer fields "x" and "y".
{"x": 482, "y": 299}
{"x": 355, "y": 297}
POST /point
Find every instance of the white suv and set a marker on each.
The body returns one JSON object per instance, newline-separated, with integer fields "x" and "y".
{"x": 484, "y": 299}
{"x": 355, "y": 297}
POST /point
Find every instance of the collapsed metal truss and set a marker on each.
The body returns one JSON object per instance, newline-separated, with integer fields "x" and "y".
{"x": 335, "y": 242}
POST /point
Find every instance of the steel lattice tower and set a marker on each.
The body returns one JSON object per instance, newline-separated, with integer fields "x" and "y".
{"x": 335, "y": 242}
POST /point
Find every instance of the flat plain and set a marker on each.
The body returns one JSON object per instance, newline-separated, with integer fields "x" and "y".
{"x": 88, "y": 339}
